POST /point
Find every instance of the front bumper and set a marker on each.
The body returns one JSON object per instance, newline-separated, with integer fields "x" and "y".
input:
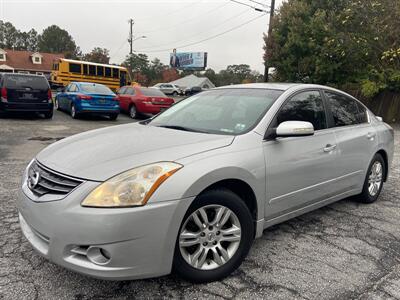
{"x": 135, "y": 242}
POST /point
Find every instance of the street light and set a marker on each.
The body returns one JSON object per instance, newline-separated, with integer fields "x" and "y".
{"x": 140, "y": 37}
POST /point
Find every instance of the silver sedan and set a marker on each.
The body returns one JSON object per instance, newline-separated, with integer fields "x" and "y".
{"x": 188, "y": 190}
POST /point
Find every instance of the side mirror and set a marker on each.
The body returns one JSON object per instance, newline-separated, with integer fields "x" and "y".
{"x": 294, "y": 128}
{"x": 379, "y": 118}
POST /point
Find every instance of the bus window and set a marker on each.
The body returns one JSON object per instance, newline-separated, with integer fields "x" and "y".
{"x": 122, "y": 79}
{"x": 92, "y": 70}
{"x": 107, "y": 71}
{"x": 115, "y": 73}
{"x": 100, "y": 71}
{"x": 75, "y": 68}
{"x": 85, "y": 69}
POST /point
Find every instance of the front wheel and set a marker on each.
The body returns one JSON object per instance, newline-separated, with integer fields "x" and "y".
{"x": 175, "y": 93}
{"x": 113, "y": 117}
{"x": 374, "y": 180}
{"x": 74, "y": 114}
{"x": 215, "y": 237}
{"x": 56, "y": 105}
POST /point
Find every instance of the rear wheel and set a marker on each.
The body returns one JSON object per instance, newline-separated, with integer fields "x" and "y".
{"x": 215, "y": 237}
{"x": 133, "y": 112}
{"x": 374, "y": 180}
{"x": 48, "y": 115}
{"x": 175, "y": 93}
{"x": 74, "y": 114}
{"x": 113, "y": 116}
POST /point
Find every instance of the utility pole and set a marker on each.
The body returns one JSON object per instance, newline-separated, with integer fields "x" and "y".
{"x": 271, "y": 16}
{"x": 130, "y": 39}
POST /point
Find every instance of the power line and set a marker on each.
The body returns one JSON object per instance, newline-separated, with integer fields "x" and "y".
{"x": 245, "y": 4}
{"x": 259, "y": 3}
{"x": 191, "y": 37}
{"x": 206, "y": 39}
{"x": 185, "y": 21}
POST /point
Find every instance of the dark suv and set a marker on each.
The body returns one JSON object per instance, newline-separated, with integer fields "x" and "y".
{"x": 25, "y": 93}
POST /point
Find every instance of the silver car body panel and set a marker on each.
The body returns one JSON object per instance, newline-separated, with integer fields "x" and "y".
{"x": 288, "y": 176}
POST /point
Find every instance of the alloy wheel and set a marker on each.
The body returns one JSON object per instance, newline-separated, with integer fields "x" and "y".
{"x": 210, "y": 237}
{"x": 375, "y": 178}
{"x": 132, "y": 112}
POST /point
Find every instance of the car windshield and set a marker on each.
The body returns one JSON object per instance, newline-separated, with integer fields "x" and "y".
{"x": 95, "y": 89}
{"x": 223, "y": 111}
{"x": 152, "y": 92}
{"x": 26, "y": 81}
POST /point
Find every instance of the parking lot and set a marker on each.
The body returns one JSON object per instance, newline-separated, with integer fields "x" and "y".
{"x": 344, "y": 251}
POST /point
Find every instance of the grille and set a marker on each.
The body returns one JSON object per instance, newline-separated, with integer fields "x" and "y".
{"x": 42, "y": 180}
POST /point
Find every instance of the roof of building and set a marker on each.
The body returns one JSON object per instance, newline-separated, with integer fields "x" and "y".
{"x": 193, "y": 80}
{"x": 23, "y": 60}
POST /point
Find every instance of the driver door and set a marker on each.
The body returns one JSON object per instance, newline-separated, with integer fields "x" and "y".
{"x": 300, "y": 171}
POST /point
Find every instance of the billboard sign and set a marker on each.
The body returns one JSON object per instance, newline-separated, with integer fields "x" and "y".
{"x": 188, "y": 60}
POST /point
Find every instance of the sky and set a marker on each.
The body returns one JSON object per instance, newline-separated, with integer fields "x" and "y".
{"x": 230, "y": 32}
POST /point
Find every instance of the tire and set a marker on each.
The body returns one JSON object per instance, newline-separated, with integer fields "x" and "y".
{"x": 56, "y": 104}
{"x": 175, "y": 93}
{"x": 48, "y": 115}
{"x": 113, "y": 117}
{"x": 373, "y": 181}
{"x": 210, "y": 240}
{"x": 133, "y": 112}
{"x": 74, "y": 114}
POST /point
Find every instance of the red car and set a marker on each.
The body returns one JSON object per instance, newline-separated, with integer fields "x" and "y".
{"x": 140, "y": 100}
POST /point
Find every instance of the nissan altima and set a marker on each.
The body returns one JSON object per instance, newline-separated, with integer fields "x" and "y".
{"x": 188, "y": 190}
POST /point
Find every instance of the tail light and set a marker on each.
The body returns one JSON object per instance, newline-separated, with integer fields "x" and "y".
{"x": 3, "y": 94}
{"x": 84, "y": 97}
{"x": 49, "y": 95}
{"x": 146, "y": 100}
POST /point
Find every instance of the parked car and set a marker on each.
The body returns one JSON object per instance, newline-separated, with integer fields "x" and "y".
{"x": 169, "y": 89}
{"x": 138, "y": 100}
{"x": 84, "y": 97}
{"x": 188, "y": 190}
{"x": 25, "y": 93}
{"x": 193, "y": 90}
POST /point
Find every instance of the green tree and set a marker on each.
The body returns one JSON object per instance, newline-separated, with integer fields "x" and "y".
{"x": 56, "y": 40}
{"x": 98, "y": 55}
{"x": 335, "y": 42}
{"x": 138, "y": 67}
{"x": 8, "y": 35}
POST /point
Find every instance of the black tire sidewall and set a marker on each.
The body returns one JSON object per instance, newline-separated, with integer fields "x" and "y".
{"x": 365, "y": 196}
{"x": 235, "y": 204}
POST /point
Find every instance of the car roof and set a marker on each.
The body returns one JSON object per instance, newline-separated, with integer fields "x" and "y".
{"x": 87, "y": 83}
{"x": 283, "y": 86}
{"x": 20, "y": 74}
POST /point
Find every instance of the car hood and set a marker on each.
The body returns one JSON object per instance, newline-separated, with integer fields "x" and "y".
{"x": 103, "y": 153}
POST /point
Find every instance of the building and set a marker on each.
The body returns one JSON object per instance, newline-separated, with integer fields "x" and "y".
{"x": 27, "y": 62}
{"x": 192, "y": 80}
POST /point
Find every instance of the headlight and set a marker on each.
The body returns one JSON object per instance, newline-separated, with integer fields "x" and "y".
{"x": 131, "y": 188}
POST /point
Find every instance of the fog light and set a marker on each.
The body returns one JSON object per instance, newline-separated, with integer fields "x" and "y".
{"x": 98, "y": 256}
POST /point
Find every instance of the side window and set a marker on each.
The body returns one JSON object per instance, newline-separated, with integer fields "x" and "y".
{"x": 68, "y": 88}
{"x": 122, "y": 90}
{"x": 75, "y": 68}
{"x": 73, "y": 88}
{"x": 130, "y": 91}
{"x": 344, "y": 109}
{"x": 305, "y": 106}
{"x": 362, "y": 115}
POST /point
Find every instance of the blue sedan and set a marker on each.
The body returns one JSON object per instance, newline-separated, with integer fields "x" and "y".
{"x": 84, "y": 97}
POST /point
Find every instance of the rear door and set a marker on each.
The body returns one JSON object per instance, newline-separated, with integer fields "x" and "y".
{"x": 356, "y": 137}
{"x": 300, "y": 171}
{"x": 26, "y": 89}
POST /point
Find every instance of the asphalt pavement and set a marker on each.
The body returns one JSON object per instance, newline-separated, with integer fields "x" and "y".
{"x": 346, "y": 250}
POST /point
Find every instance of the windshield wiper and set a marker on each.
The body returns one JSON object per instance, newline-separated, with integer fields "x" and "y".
{"x": 183, "y": 128}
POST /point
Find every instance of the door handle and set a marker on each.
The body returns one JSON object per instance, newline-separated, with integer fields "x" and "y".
{"x": 370, "y": 135}
{"x": 329, "y": 148}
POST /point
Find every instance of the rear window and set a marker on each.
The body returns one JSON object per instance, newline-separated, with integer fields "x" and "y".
{"x": 152, "y": 92}
{"x": 33, "y": 82}
{"x": 95, "y": 89}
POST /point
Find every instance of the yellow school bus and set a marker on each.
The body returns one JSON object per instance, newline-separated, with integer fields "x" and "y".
{"x": 66, "y": 70}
